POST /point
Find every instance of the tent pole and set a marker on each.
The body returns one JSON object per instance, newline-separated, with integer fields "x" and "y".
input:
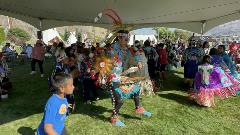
{"x": 40, "y": 24}
{"x": 94, "y": 36}
{"x": 203, "y": 27}
{"x": 39, "y": 33}
{"x": 202, "y": 30}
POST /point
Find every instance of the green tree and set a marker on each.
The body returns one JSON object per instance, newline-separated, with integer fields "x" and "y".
{"x": 19, "y": 33}
{"x": 2, "y": 35}
{"x": 162, "y": 31}
{"x": 98, "y": 39}
{"x": 65, "y": 36}
{"x": 90, "y": 35}
{"x": 182, "y": 34}
{"x": 171, "y": 35}
{"x": 165, "y": 33}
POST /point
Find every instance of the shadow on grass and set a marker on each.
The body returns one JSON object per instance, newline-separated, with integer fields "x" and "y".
{"x": 178, "y": 98}
{"x": 26, "y": 131}
{"x": 29, "y": 93}
{"x": 92, "y": 110}
{"x": 130, "y": 117}
{"x": 97, "y": 112}
{"x": 174, "y": 81}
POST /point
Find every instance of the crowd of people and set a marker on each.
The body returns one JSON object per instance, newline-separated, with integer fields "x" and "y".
{"x": 129, "y": 72}
{"x": 5, "y": 83}
{"x": 210, "y": 72}
{"x": 8, "y": 54}
{"x": 11, "y": 55}
{"x": 124, "y": 71}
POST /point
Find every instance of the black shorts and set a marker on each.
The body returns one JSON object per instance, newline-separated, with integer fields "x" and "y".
{"x": 162, "y": 67}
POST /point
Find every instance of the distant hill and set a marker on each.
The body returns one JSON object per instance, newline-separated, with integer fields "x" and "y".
{"x": 99, "y": 32}
{"x": 20, "y": 24}
{"x": 228, "y": 29}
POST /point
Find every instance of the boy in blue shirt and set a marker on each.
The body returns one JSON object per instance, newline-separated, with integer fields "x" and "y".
{"x": 57, "y": 106}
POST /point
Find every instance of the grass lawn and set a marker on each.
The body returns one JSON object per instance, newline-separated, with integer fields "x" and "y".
{"x": 172, "y": 112}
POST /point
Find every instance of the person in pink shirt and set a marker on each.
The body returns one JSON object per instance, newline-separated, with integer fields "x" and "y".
{"x": 38, "y": 53}
{"x": 163, "y": 61}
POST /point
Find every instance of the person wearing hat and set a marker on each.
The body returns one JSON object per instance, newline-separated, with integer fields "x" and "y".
{"x": 38, "y": 53}
{"x": 122, "y": 87}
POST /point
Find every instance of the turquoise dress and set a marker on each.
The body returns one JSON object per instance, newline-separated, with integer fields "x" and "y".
{"x": 121, "y": 58}
{"x": 233, "y": 71}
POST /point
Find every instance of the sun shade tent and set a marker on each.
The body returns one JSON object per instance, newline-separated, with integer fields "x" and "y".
{"x": 49, "y": 35}
{"x": 193, "y": 15}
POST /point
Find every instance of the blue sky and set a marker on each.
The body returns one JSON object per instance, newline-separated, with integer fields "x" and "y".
{"x": 144, "y": 31}
{"x": 148, "y": 31}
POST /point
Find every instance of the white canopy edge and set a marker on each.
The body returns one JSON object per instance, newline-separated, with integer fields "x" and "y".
{"x": 193, "y": 26}
{"x": 49, "y": 24}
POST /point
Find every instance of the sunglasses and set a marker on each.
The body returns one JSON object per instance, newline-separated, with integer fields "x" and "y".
{"x": 123, "y": 35}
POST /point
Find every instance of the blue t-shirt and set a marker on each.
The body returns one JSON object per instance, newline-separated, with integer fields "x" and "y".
{"x": 55, "y": 114}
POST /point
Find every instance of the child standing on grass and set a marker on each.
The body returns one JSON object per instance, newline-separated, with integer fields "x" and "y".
{"x": 57, "y": 106}
{"x": 88, "y": 79}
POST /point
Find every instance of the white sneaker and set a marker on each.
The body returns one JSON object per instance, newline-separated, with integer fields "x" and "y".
{"x": 33, "y": 72}
{"x": 42, "y": 75}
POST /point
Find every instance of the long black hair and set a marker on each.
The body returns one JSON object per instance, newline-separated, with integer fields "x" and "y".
{"x": 213, "y": 51}
{"x": 222, "y": 46}
{"x": 206, "y": 59}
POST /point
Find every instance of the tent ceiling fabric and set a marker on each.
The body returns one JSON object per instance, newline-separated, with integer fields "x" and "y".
{"x": 184, "y": 14}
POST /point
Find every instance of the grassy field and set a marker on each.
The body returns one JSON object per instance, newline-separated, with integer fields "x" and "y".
{"x": 172, "y": 112}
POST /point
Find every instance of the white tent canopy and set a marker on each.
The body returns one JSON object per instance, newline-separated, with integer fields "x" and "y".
{"x": 72, "y": 38}
{"x": 190, "y": 15}
{"x": 49, "y": 35}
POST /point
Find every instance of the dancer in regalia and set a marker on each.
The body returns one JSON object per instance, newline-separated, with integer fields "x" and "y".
{"x": 211, "y": 81}
{"x": 228, "y": 60}
{"x": 191, "y": 59}
{"x": 116, "y": 68}
{"x": 123, "y": 87}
